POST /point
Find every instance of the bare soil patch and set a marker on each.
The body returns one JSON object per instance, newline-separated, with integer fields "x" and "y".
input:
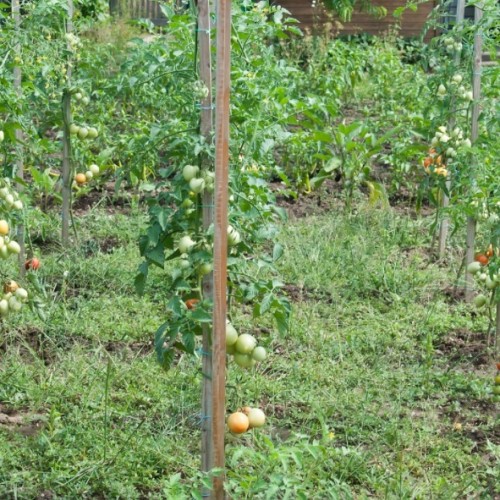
{"x": 454, "y": 294}
{"x": 29, "y": 342}
{"x": 22, "y": 421}
{"x": 464, "y": 346}
{"x": 323, "y": 200}
{"x": 476, "y": 418}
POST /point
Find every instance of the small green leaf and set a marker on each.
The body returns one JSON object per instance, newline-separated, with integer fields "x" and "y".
{"x": 201, "y": 315}
{"x": 157, "y": 255}
{"x": 176, "y": 305}
{"x": 189, "y": 342}
{"x": 265, "y": 305}
{"x": 277, "y": 251}
{"x": 141, "y": 278}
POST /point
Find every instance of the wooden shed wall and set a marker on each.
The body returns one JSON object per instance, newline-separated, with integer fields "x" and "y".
{"x": 309, "y": 17}
{"x": 136, "y": 9}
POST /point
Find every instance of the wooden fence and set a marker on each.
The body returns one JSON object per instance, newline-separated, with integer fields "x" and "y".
{"x": 309, "y": 17}
{"x": 138, "y": 9}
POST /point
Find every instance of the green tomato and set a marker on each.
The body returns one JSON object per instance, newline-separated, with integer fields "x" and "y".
{"x": 83, "y": 132}
{"x": 14, "y": 304}
{"x": 21, "y": 294}
{"x": 256, "y": 417}
{"x": 259, "y": 353}
{"x": 4, "y": 307}
{"x": 189, "y": 172}
{"x": 246, "y": 343}
{"x": 490, "y": 284}
{"x": 93, "y": 133}
{"x": 185, "y": 244}
{"x": 243, "y": 360}
{"x": 94, "y": 169}
{"x": 205, "y": 268}
{"x": 480, "y": 301}
{"x": 233, "y": 236}
{"x": 74, "y": 129}
{"x": 184, "y": 263}
{"x": 13, "y": 247}
{"x": 197, "y": 185}
{"x": 9, "y": 200}
{"x": 231, "y": 334}
{"x": 474, "y": 267}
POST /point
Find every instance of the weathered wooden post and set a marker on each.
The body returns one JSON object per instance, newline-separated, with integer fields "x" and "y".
{"x": 222, "y": 83}
{"x": 16, "y": 14}
{"x": 476, "y": 92}
{"x": 206, "y": 130}
{"x": 66, "y": 160}
{"x": 445, "y": 223}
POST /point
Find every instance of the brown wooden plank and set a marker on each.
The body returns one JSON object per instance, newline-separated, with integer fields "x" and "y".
{"x": 222, "y": 85}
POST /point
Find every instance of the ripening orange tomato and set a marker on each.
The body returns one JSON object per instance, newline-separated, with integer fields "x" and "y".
{"x": 191, "y": 303}
{"x": 482, "y": 259}
{"x": 80, "y": 178}
{"x": 10, "y": 287}
{"x": 490, "y": 251}
{"x": 4, "y": 228}
{"x": 427, "y": 162}
{"x": 238, "y": 422}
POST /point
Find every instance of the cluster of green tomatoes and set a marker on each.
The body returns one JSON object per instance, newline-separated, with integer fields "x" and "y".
{"x": 9, "y": 201}
{"x": 244, "y": 349}
{"x": 13, "y": 298}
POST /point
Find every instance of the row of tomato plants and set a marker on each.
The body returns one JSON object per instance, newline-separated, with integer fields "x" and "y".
{"x": 136, "y": 118}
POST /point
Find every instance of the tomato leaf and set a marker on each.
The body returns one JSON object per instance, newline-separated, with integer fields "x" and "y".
{"x": 201, "y": 315}
{"x": 188, "y": 341}
{"x": 141, "y": 278}
{"x": 176, "y": 305}
{"x": 277, "y": 252}
{"x": 157, "y": 255}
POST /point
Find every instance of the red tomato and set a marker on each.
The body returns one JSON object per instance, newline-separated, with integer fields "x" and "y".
{"x": 32, "y": 264}
{"x": 482, "y": 259}
{"x": 191, "y": 303}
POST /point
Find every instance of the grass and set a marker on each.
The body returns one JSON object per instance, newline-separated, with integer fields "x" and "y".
{"x": 368, "y": 395}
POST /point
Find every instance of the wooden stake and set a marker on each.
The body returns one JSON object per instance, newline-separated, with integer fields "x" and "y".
{"x": 206, "y": 130}
{"x": 67, "y": 177}
{"x": 445, "y": 223}
{"x": 223, "y": 16}
{"x": 476, "y": 92}
{"x": 497, "y": 331}
{"x": 16, "y": 14}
